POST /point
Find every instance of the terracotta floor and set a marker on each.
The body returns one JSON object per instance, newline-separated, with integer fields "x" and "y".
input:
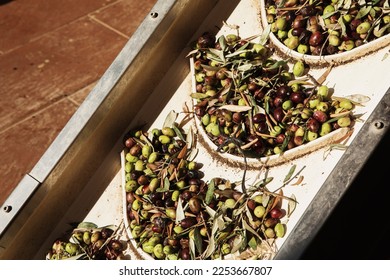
{"x": 51, "y": 55}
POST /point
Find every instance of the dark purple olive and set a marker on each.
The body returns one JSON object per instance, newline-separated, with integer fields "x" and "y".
{"x": 157, "y": 229}
{"x": 195, "y": 205}
{"x": 316, "y": 39}
{"x": 299, "y": 22}
{"x": 143, "y": 180}
{"x": 262, "y": 127}
{"x": 253, "y": 87}
{"x": 185, "y": 254}
{"x": 278, "y": 101}
{"x": 207, "y": 40}
{"x": 280, "y": 138}
{"x": 237, "y": 117}
{"x": 308, "y": 10}
{"x": 154, "y": 197}
{"x": 210, "y": 80}
{"x": 276, "y": 213}
{"x": 186, "y": 195}
{"x": 278, "y": 114}
{"x": 259, "y": 117}
{"x": 297, "y": 97}
{"x": 354, "y": 24}
{"x": 297, "y": 31}
{"x": 130, "y": 142}
{"x": 283, "y": 91}
{"x": 259, "y": 95}
{"x": 188, "y": 222}
{"x": 320, "y": 116}
{"x": 304, "y": 37}
{"x": 135, "y": 150}
{"x": 312, "y": 124}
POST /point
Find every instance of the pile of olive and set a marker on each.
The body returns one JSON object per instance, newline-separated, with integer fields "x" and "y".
{"x": 252, "y": 104}
{"x": 327, "y": 27}
{"x": 174, "y": 214}
{"x": 88, "y": 242}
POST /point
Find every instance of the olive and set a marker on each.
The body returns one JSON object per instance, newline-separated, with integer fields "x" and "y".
{"x": 278, "y": 114}
{"x": 130, "y": 142}
{"x": 207, "y": 40}
{"x": 251, "y": 204}
{"x": 312, "y": 124}
{"x": 298, "y": 22}
{"x": 276, "y": 213}
{"x": 184, "y": 254}
{"x": 195, "y": 205}
{"x": 316, "y": 39}
{"x": 259, "y": 211}
{"x": 320, "y": 116}
{"x": 270, "y": 222}
{"x": 135, "y": 150}
{"x": 279, "y": 230}
{"x": 188, "y": 222}
{"x": 280, "y": 138}
{"x": 297, "y": 97}
{"x": 308, "y": 10}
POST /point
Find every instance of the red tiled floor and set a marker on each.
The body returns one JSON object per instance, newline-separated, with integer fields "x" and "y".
{"x": 49, "y": 68}
{"x": 52, "y": 53}
{"x": 23, "y": 144}
{"x": 24, "y": 20}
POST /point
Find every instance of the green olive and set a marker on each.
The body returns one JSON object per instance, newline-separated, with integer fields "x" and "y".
{"x": 312, "y": 135}
{"x": 259, "y": 211}
{"x": 147, "y": 247}
{"x": 158, "y": 251}
{"x": 71, "y": 248}
{"x": 279, "y": 230}
{"x": 299, "y": 68}
{"x": 344, "y": 121}
{"x": 230, "y": 203}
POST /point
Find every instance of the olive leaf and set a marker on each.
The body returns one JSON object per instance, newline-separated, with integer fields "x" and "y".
{"x": 210, "y": 249}
{"x": 363, "y": 11}
{"x": 222, "y": 42}
{"x": 180, "y": 215}
{"x": 290, "y": 173}
{"x": 170, "y": 119}
{"x": 192, "y": 248}
{"x": 86, "y": 225}
{"x": 265, "y": 199}
{"x": 237, "y": 243}
{"x": 276, "y": 65}
{"x": 210, "y": 211}
{"x": 198, "y": 95}
{"x": 292, "y": 203}
{"x": 250, "y": 229}
{"x": 210, "y": 192}
{"x": 341, "y": 22}
{"x": 198, "y": 240}
{"x": 235, "y": 108}
{"x": 378, "y": 32}
{"x": 334, "y": 147}
{"x": 252, "y": 243}
{"x": 165, "y": 187}
{"x": 178, "y": 131}
{"x": 265, "y": 35}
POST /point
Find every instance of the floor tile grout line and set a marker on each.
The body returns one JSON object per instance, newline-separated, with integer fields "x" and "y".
{"x": 92, "y": 17}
